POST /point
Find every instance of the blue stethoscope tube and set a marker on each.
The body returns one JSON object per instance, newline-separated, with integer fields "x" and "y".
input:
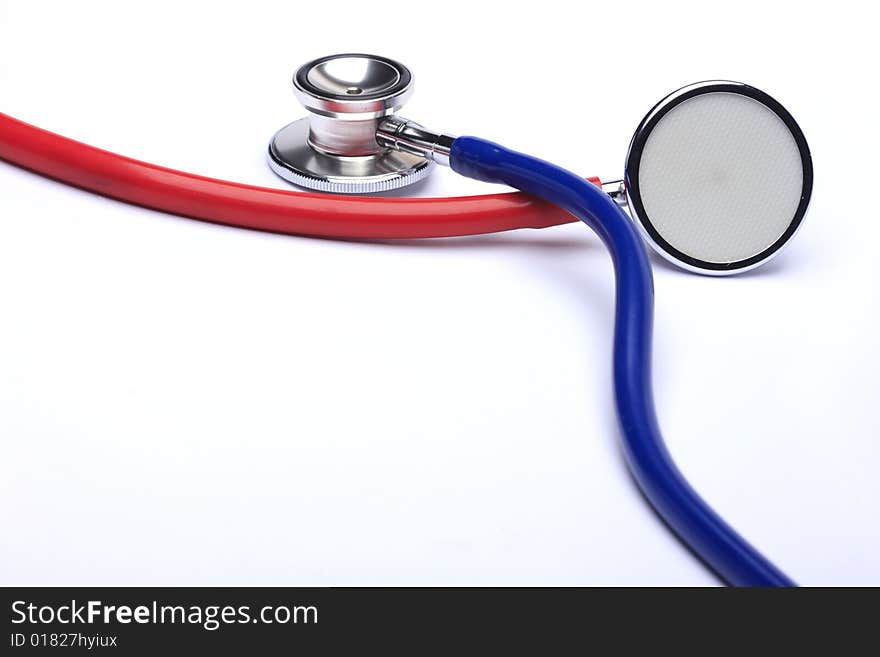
{"x": 703, "y": 530}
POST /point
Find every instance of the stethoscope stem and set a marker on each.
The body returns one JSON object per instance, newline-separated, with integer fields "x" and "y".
{"x": 616, "y": 190}
{"x": 400, "y": 134}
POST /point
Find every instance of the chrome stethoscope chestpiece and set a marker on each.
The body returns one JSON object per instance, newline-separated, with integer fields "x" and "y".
{"x": 335, "y": 149}
{"x": 718, "y": 177}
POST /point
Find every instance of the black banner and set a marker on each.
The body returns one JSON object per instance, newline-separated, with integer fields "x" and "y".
{"x": 151, "y": 621}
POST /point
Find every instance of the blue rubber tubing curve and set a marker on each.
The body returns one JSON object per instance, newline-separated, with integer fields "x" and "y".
{"x": 703, "y": 530}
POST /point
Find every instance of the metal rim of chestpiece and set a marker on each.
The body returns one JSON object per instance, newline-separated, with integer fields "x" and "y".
{"x": 335, "y": 148}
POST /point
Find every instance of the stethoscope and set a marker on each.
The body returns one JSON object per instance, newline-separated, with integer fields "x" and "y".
{"x": 717, "y": 180}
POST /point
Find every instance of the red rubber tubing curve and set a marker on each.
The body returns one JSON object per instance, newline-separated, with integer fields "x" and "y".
{"x": 263, "y": 208}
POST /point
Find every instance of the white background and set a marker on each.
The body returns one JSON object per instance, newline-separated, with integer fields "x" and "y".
{"x": 184, "y": 403}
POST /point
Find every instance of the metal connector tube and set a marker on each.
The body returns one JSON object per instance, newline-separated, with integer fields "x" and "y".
{"x": 401, "y": 134}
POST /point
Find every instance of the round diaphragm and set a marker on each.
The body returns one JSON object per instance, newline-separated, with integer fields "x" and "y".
{"x": 718, "y": 177}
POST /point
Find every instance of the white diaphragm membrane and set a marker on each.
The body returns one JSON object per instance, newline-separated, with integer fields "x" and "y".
{"x": 720, "y": 177}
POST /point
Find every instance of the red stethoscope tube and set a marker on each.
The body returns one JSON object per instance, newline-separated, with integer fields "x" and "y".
{"x": 263, "y": 208}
